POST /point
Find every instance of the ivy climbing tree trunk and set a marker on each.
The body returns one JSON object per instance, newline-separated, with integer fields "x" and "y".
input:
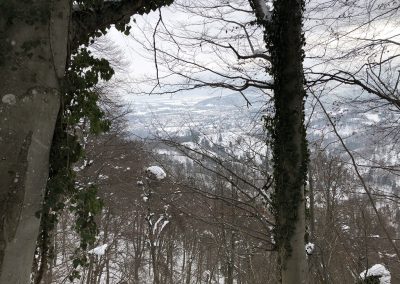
{"x": 33, "y": 54}
{"x": 34, "y": 40}
{"x": 285, "y": 40}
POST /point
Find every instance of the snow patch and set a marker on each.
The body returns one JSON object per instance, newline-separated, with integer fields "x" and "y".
{"x": 156, "y": 172}
{"x": 100, "y": 250}
{"x": 309, "y": 248}
{"x": 103, "y": 177}
{"x": 374, "y": 117}
{"x": 9, "y": 99}
{"x": 377, "y": 270}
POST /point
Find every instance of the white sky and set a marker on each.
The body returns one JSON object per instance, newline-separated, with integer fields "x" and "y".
{"x": 141, "y": 59}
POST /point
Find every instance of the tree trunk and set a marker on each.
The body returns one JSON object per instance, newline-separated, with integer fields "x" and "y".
{"x": 33, "y": 55}
{"x": 290, "y": 147}
{"x": 156, "y": 275}
{"x": 284, "y": 39}
{"x": 312, "y": 204}
{"x": 153, "y": 254}
{"x": 34, "y": 40}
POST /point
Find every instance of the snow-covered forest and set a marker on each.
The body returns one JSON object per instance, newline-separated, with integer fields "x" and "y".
{"x": 191, "y": 142}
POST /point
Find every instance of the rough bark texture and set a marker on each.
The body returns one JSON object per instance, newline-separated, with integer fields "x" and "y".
{"x": 35, "y": 37}
{"x": 290, "y": 148}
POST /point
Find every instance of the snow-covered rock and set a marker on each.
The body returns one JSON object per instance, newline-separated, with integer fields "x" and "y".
{"x": 377, "y": 270}
{"x": 156, "y": 172}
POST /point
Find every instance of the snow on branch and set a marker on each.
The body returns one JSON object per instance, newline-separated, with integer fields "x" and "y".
{"x": 99, "y": 251}
{"x": 159, "y": 225}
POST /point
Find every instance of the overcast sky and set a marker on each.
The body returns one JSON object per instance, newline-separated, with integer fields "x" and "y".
{"x": 322, "y": 25}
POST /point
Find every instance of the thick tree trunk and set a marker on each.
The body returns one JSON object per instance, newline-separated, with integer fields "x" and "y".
{"x": 34, "y": 35}
{"x": 290, "y": 148}
{"x": 284, "y": 39}
{"x": 294, "y": 266}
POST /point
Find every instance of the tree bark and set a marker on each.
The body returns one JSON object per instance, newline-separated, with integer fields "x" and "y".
{"x": 312, "y": 203}
{"x": 290, "y": 149}
{"x": 34, "y": 41}
{"x": 285, "y": 40}
{"x": 35, "y": 52}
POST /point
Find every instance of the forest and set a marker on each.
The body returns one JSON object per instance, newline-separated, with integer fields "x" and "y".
{"x": 191, "y": 142}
